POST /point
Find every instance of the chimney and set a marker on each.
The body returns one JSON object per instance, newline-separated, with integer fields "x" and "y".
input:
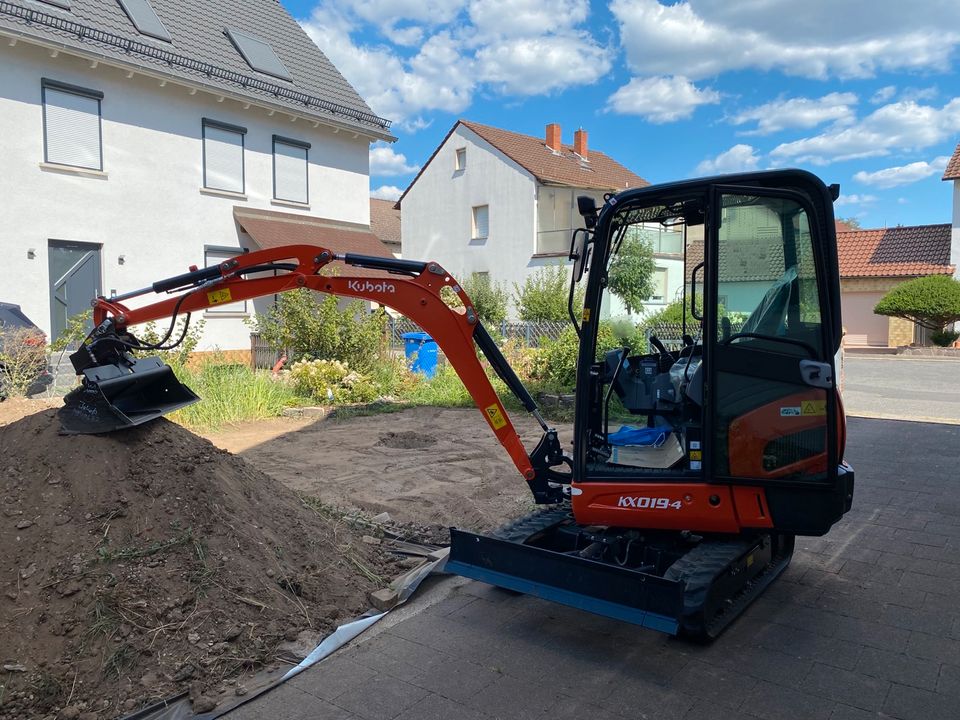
{"x": 553, "y": 137}
{"x": 580, "y": 143}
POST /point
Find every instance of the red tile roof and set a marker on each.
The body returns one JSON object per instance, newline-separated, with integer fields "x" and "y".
{"x": 953, "y": 167}
{"x": 273, "y": 229}
{"x": 895, "y": 252}
{"x": 595, "y": 172}
{"x": 385, "y": 222}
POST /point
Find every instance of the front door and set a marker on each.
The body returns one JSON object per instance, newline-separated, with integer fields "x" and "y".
{"x": 773, "y": 410}
{"x": 74, "y": 281}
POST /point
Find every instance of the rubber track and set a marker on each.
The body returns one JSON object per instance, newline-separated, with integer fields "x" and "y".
{"x": 522, "y": 528}
{"x": 699, "y": 567}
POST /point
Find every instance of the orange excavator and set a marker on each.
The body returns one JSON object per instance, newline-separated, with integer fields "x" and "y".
{"x": 695, "y": 460}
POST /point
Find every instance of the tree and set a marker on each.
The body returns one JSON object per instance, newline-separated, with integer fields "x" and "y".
{"x": 932, "y": 301}
{"x": 543, "y": 295}
{"x": 489, "y": 299}
{"x": 631, "y": 271}
{"x": 850, "y": 222}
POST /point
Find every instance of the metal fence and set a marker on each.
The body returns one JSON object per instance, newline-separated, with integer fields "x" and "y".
{"x": 671, "y": 334}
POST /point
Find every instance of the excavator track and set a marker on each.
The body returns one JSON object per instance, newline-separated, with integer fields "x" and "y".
{"x": 526, "y": 527}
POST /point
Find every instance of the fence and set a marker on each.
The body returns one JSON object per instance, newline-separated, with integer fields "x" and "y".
{"x": 671, "y": 334}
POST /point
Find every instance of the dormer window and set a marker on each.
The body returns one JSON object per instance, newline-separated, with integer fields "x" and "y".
{"x": 461, "y": 159}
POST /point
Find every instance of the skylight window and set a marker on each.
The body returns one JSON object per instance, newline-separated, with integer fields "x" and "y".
{"x": 258, "y": 54}
{"x": 65, "y": 4}
{"x": 145, "y": 19}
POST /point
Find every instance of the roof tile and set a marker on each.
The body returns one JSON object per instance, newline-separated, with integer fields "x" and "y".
{"x": 895, "y": 252}
{"x": 953, "y": 167}
{"x": 385, "y": 221}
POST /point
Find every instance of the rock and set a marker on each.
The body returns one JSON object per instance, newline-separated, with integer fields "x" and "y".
{"x": 129, "y": 704}
{"x": 203, "y": 704}
{"x": 193, "y": 638}
{"x": 240, "y": 691}
{"x": 220, "y": 648}
{"x": 232, "y": 632}
{"x": 15, "y": 667}
{"x": 370, "y": 540}
{"x": 271, "y": 572}
{"x": 24, "y": 524}
{"x": 185, "y": 673}
{"x": 69, "y": 588}
{"x": 291, "y": 634}
{"x": 383, "y": 517}
{"x": 71, "y": 712}
{"x": 150, "y": 679}
{"x": 28, "y": 571}
{"x": 89, "y": 716}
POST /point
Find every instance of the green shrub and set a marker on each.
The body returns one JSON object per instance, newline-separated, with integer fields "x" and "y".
{"x": 556, "y": 362}
{"x": 333, "y": 382}
{"x": 313, "y": 326}
{"x": 944, "y": 338}
{"x": 932, "y": 301}
{"x": 151, "y": 334}
{"x": 631, "y": 271}
{"x": 543, "y": 295}
{"x": 489, "y": 299}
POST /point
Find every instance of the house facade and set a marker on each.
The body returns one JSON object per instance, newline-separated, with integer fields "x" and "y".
{"x": 133, "y": 132}
{"x": 498, "y": 202}
{"x": 952, "y": 174}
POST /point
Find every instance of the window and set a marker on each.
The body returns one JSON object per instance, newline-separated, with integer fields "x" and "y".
{"x": 259, "y": 54}
{"x": 223, "y": 156}
{"x": 461, "y": 161}
{"x": 71, "y": 125}
{"x": 481, "y": 222}
{"x": 291, "y": 170}
{"x": 65, "y": 4}
{"x": 214, "y": 255}
{"x": 659, "y": 286}
{"x": 145, "y": 19}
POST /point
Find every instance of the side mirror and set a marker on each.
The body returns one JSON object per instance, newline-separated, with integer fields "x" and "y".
{"x": 587, "y": 207}
{"x": 579, "y": 252}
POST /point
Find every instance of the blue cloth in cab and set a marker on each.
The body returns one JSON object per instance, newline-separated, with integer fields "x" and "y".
{"x": 648, "y": 437}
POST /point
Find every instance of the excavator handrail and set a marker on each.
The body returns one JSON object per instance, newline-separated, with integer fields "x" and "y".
{"x": 412, "y": 288}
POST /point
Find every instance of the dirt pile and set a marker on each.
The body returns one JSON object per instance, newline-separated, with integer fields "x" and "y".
{"x": 148, "y": 561}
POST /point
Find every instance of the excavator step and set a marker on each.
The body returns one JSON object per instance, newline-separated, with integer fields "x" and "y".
{"x": 698, "y": 595}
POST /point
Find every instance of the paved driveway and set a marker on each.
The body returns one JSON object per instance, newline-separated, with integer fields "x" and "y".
{"x": 865, "y": 623}
{"x": 890, "y": 386}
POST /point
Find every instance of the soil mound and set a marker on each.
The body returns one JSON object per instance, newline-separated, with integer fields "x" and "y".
{"x": 148, "y": 561}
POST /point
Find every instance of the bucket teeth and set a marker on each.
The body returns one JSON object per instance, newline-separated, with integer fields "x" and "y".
{"x": 114, "y": 397}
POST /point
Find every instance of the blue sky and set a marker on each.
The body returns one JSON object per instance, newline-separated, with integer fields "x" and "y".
{"x": 862, "y": 92}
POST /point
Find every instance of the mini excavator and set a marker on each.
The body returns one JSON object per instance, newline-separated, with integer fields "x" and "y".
{"x": 694, "y": 463}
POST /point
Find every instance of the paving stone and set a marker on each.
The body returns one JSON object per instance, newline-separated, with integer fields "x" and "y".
{"x": 871, "y": 634}
{"x": 773, "y": 702}
{"x": 772, "y": 666}
{"x": 919, "y": 620}
{"x": 574, "y": 708}
{"x": 949, "y": 682}
{"x": 920, "y": 537}
{"x": 949, "y": 554}
{"x": 398, "y": 657}
{"x": 380, "y": 697}
{"x": 856, "y": 570}
{"x": 851, "y": 688}
{"x": 899, "y": 668}
{"x": 930, "y": 647}
{"x": 845, "y": 712}
{"x": 456, "y": 679}
{"x": 706, "y": 710}
{"x": 435, "y": 707}
{"x": 931, "y": 583}
{"x": 638, "y": 699}
{"x": 808, "y": 645}
{"x": 512, "y": 699}
{"x": 720, "y": 686}
{"x": 331, "y": 677}
{"x": 285, "y": 702}
{"x": 908, "y": 703}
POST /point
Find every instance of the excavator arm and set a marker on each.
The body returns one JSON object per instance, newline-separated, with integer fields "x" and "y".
{"x": 119, "y": 390}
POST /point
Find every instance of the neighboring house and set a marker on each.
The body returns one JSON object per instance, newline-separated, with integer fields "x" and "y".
{"x": 385, "y": 224}
{"x": 138, "y": 136}
{"x": 873, "y": 262}
{"x": 497, "y": 202}
{"x": 953, "y": 173}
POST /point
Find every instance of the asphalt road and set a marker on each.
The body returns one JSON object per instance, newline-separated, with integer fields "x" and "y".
{"x": 894, "y": 387}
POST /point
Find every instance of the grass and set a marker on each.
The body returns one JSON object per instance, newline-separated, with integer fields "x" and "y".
{"x": 130, "y": 553}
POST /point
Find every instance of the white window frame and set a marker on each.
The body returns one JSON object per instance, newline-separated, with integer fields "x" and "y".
{"x": 460, "y": 159}
{"x": 214, "y": 255}
{"x": 665, "y": 274}
{"x": 475, "y": 226}
{"x": 300, "y": 145}
{"x": 226, "y": 127}
{"x": 97, "y": 95}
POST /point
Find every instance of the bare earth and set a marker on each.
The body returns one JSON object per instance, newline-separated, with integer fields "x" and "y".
{"x": 432, "y": 466}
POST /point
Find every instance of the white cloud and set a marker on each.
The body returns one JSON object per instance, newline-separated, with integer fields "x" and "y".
{"x": 883, "y": 94}
{"x": 387, "y": 192}
{"x": 828, "y": 38}
{"x": 898, "y": 126}
{"x": 537, "y": 65}
{"x": 903, "y": 174}
{"x": 384, "y": 161}
{"x": 660, "y": 99}
{"x": 855, "y": 199}
{"x": 798, "y": 113}
{"x": 526, "y": 18}
{"x": 739, "y": 158}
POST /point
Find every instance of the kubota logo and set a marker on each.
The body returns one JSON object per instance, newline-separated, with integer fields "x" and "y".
{"x": 367, "y": 286}
{"x": 647, "y": 502}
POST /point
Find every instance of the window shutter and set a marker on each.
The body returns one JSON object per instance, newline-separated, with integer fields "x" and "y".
{"x": 223, "y": 154}
{"x": 481, "y": 221}
{"x": 73, "y": 129}
{"x": 290, "y": 172}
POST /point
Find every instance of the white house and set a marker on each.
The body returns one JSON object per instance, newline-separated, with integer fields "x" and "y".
{"x": 132, "y": 130}
{"x": 498, "y": 202}
{"x": 953, "y": 173}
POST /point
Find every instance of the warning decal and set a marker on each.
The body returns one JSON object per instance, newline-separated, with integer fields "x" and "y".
{"x": 496, "y": 418}
{"x": 218, "y": 297}
{"x": 814, "y": 407}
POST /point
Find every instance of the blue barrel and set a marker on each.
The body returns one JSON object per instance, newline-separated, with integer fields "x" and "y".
{"x": 421, "y": 349}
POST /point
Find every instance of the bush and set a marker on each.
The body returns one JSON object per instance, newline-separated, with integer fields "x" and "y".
{"x": 23, "y": 359}
{"x": 150, "y": 334}
{"x": 316, "y": 328}
{"x": 631, "y": 271}
{"x": 932, "y": 301}
{"x": 556, "y": 362}
{"x": 944, "y": 338}
{"x": 543, "y": 296}
{"x": 489, "y": 299}
{"x": 333, "y": 382}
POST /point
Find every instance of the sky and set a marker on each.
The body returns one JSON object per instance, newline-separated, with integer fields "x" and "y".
{"x": 864, "y": 93}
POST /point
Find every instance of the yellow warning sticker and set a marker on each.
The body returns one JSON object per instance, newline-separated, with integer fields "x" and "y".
{"x": 218, "y": 297}
{"x": 749, "y": 560}
{"x": 497, "y": 420}
{"x": 586, "y": 315}
{"x": 696, "y": 455}
{"x": 814, "y": 407}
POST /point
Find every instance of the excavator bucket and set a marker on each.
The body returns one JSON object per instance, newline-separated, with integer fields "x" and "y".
{"x": 112, "y": 397}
